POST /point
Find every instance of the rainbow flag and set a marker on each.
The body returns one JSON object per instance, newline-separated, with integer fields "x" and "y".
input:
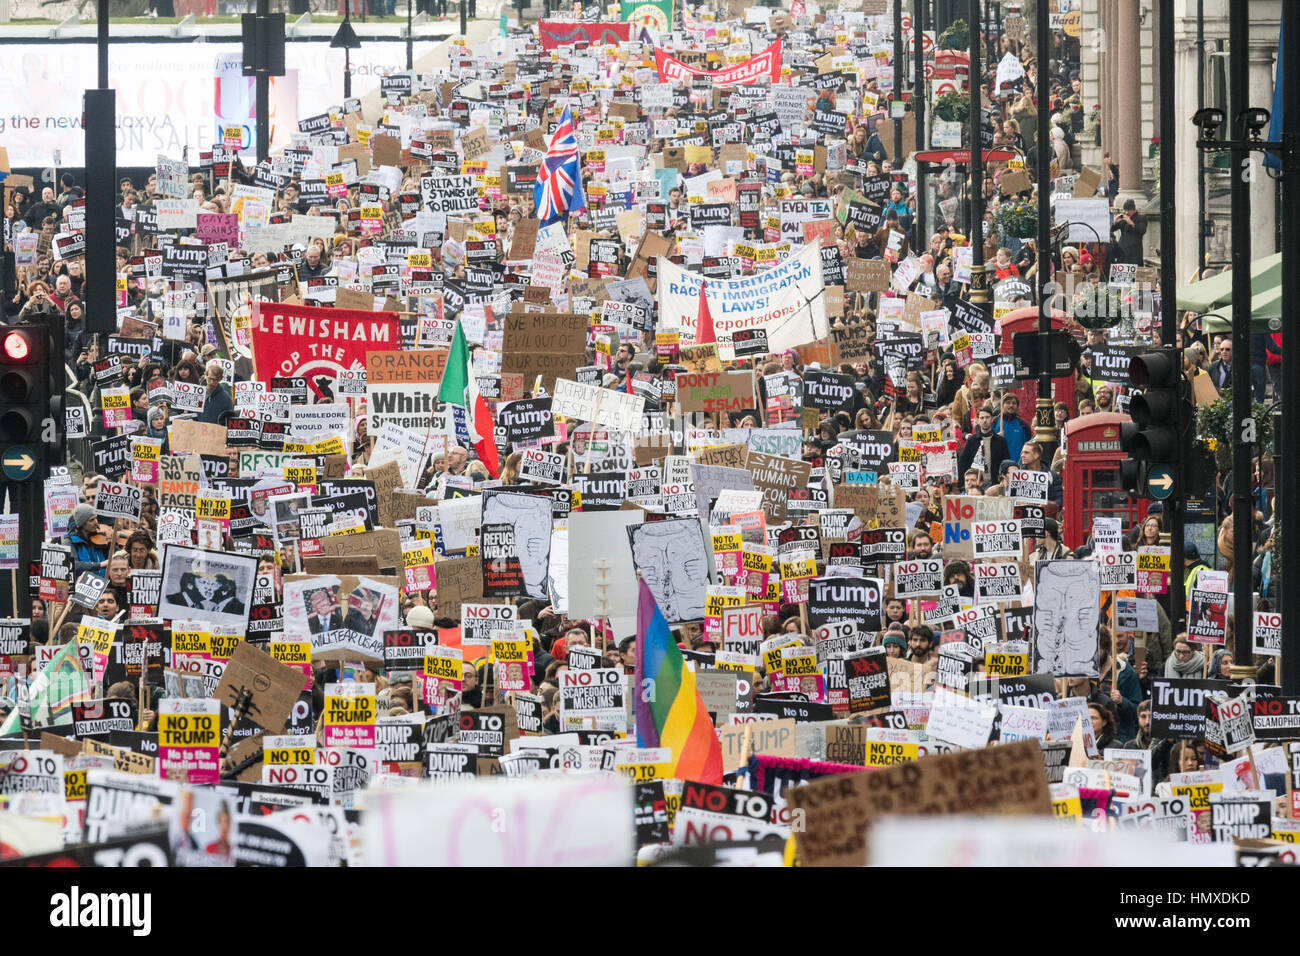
{"x": 669, "y": 711}
{"x": 60, "y": 684}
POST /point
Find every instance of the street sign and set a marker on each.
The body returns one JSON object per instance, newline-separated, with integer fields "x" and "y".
{"x": 19, "y": 463}
{"x": 1160, "y": 482}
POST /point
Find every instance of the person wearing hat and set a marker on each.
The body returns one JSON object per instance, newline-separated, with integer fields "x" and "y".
{"x": 999, "y": 487}
{"x": 1061, "y": 152}
{"x": 421, "y": 617}
{"x": 892, "y": 224}
{"x": 1128, "y": 229}
{"x": 1049, "y": 545}
{"x": 86, "y": 554}
{"x": 894, "y": 644}
{"x": 1192, "y": 565}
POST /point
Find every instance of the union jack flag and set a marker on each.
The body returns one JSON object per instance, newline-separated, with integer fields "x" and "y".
{"x": 559, "y": 184}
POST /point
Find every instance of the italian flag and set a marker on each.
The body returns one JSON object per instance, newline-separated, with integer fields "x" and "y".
{"x": 460, "y": 388}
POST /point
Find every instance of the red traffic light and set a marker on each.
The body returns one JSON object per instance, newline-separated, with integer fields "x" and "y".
{"x": 1155, "y": 370}
{"x": 17, "y": 347}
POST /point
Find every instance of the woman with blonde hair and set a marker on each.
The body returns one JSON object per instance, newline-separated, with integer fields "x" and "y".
{"x": 510, "y": 470}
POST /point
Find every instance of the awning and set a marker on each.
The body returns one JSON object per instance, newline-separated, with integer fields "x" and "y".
{"x": 1265, "y": 308}
{"x": 1216, "y": 291}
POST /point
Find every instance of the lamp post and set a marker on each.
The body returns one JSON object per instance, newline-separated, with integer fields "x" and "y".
{"x": 897, "y": 93}
{"x": 345, "y": 39}
{"x": 979, "y": 291}
{"x": 1248, "y": 122}
{"x": 918, "y": 116}
{"x": 1173, "y": 507}
{"x": 1044, "y": 417}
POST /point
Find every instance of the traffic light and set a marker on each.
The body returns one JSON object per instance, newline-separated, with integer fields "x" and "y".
{"x": 24, "y": 400}
{"x": 1160, "y": 407}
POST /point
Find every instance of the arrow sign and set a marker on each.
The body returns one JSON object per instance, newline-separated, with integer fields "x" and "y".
{"x": 19, "y": 463}
{"x": 1160, "y": 482}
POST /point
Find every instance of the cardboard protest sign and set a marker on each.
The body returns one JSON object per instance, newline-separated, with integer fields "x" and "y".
{"x": 838, "y": 811}
{"x": 548, "y": 344}
{"x": 715, "y": 391}
{"x": 274, "y": 686}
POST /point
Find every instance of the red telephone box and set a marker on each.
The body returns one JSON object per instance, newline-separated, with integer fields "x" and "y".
{"x": 1026, "y": 320}
{"x": 1091, "y": 479}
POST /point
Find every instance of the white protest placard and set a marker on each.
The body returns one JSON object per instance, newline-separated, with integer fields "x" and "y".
{"x": 1136, "y": 614}
{"x": 564, "y": 820}
{"x": 1106, "y": 535}
{"x": 593, "y": 698}
{"x": 996, "y": 539}
{"x": 997, "y": 583}
{"x": 312, "y": 423}
{"x": 959, "y": 720}
{"x": 1027, "y": 485}
{"x": 1022, "y": 723}
{"x": 599, "y": 405}
{"x": 1268, "y": 633}
{"x": 118, "y": 500}
{"x": 478, "y": 622}
{"x": 1088, "y": 218}
{"x": 542, "y": 467}
{"x": 449, "y": 194}
{"x": 1233, "y": 716}
{"x": 921, "y": 578}
{"x": 1118, "y": 570}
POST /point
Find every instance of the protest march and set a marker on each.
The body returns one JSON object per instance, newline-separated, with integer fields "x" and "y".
{"x": 595, "y": 451}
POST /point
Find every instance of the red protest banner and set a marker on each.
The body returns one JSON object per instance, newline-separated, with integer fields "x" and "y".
{"x": 555, "y": 33}
{"x": 766, "y": 64}
{"x": 317, "y": 343}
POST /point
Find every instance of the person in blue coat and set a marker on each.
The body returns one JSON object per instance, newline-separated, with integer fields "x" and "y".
{"x": 86, "y": 555}
{"x": 1012, "y": 427}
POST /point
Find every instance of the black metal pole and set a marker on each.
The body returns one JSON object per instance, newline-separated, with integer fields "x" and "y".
{"x": 897, "y": 94}
{"x": 1200, "y": 156}
{"x": 101, "y": 42}
{"x": 1044, "y": 408}
{"x": 410, "y": 49}
{"x": 1173, "y": 507}
{"x": 1242, "y": 507}
{"x": 347, "y": 72}
{"x": 464, "y": 17}
{"x": 263, "y": 100}
{"x": 1289, "y": 501}
{"x": 924, "y": 225}
{"x": 979, "y": 292}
